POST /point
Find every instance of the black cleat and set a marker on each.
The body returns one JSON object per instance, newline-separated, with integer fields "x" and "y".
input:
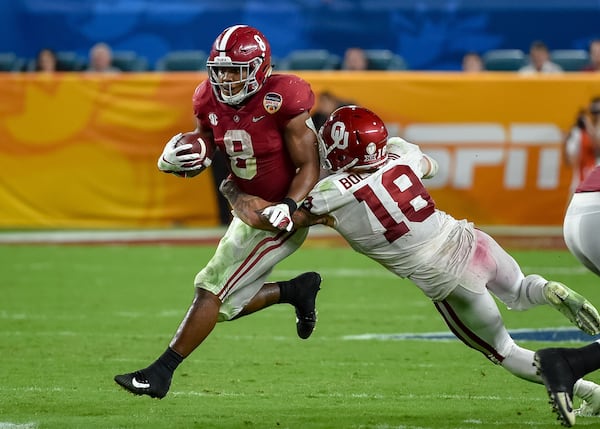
{"x": 559, "y": 380}
{"x": 139, "y": 384}
{"x": 305, "y": 288}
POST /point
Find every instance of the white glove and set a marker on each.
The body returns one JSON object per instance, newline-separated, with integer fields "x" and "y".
{"x": 279, "y": 216}
{"x": 170, "y": 162}
{"x": 431, "y": 167}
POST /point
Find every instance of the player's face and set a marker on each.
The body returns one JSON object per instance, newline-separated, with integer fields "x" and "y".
{"x": 233, "y": 78}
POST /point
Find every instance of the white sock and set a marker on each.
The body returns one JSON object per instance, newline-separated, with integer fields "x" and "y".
{"x": 584, "y": 389}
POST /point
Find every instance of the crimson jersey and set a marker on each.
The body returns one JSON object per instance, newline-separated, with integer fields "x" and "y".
{"x": 252, "y": 135}
{"x": 592, "y": 181}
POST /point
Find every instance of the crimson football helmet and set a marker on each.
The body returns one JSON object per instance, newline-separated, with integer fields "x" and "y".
{"x": 353, "y": 137}
{"x": 247, "y": 50}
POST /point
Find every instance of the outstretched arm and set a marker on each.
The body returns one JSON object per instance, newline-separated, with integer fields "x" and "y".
{"x": 249, "y": 209}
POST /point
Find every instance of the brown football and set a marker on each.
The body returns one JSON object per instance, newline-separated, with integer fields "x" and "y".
{"x": 199, "y": 146}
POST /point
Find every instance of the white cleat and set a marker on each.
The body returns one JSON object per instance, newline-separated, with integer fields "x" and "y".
{"x": 573, "y": 306}
{"x": 562, "y": 405}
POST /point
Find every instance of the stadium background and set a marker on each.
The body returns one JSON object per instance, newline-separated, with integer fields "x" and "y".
{"x": 79, "y": 151}
{"x": 429, "y": 34}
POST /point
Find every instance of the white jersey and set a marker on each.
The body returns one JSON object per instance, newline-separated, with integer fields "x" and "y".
{"x": 389, "y": 216}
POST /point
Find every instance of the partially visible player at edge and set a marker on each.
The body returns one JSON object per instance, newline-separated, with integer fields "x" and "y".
{"x": 376, "y": 200}
{"x": 261, "y": 123}
{"x": 560, "y": 368}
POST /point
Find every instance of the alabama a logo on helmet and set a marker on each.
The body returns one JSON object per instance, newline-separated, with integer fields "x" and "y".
{"x": 272, "y": 102}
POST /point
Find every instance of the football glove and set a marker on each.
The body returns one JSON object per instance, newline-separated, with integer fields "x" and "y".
{"x": 170, "y": 162}
{"x": 431, "y": 168}
{"x": 279, "y": 216}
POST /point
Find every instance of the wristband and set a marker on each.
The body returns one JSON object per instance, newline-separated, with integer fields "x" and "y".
{"x": 292, "y": 205}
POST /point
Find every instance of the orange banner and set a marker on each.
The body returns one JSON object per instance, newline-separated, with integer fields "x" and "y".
{"x": 80, "y": 151}
{"x": 496, "y": 136}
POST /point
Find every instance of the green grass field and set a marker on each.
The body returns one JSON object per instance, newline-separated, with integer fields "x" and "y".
{"x": 74, "y": 316}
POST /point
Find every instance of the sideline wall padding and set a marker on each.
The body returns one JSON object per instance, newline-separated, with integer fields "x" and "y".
{"x": 80, "y": 151}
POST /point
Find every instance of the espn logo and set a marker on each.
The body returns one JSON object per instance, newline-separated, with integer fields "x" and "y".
{"x": 524, "y": 152}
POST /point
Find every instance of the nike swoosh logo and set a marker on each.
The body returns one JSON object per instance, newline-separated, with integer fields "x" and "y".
{"x": 257, "y": 118}
{"x": 139, "y": 385}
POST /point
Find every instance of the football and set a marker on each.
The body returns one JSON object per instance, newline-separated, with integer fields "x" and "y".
{"x": 199, "y": 146}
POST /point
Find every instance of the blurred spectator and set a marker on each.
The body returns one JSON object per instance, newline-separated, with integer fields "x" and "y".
{"x": 539, "y": 60}
{"x": 100, "y": 59}
{"x": 581, "y": 146}
{"x": 326, "y": 103}
{"x": 355, "y": 59}
{"x": 594, "y": 51}
{"x": 46, "y": 61}
{"x": 472, "y": 62}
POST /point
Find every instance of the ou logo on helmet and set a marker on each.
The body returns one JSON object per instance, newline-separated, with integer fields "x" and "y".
{"x": 339, "y": 135}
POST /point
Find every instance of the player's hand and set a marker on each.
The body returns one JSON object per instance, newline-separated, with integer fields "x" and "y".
{"x": 171, "y": 162}
{"x": 279, "y": 216}
{"x": 229, "y": 189}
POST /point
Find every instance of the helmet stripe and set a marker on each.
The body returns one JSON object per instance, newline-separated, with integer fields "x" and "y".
{"x": 222, "y": 42}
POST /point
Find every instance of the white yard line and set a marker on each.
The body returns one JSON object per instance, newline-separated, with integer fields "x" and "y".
{"x": 182, "y": 235}
{"x": 10, "y": 425}
{"x": 208, "y": 234}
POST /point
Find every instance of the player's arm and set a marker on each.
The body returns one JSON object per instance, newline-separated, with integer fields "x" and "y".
{"x": 206, "y": 134}
{"x": 428, "y": 165}
{"x": 249, "y": 209}
{"x": 594, "y": 130}
{"x": 571, "y": 146}
{"x": 303, "y": 217}
{"x": 301, "y": 142}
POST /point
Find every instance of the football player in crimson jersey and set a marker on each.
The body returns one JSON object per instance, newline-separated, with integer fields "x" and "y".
{"x": 561, "y": 367}
{"x": 261, "y": 123}
{"x": 375, "y": 199}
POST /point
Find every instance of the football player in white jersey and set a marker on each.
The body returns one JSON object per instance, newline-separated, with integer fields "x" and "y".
{"x": 375, "y": 199}
{"x": 561, "y": 367}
